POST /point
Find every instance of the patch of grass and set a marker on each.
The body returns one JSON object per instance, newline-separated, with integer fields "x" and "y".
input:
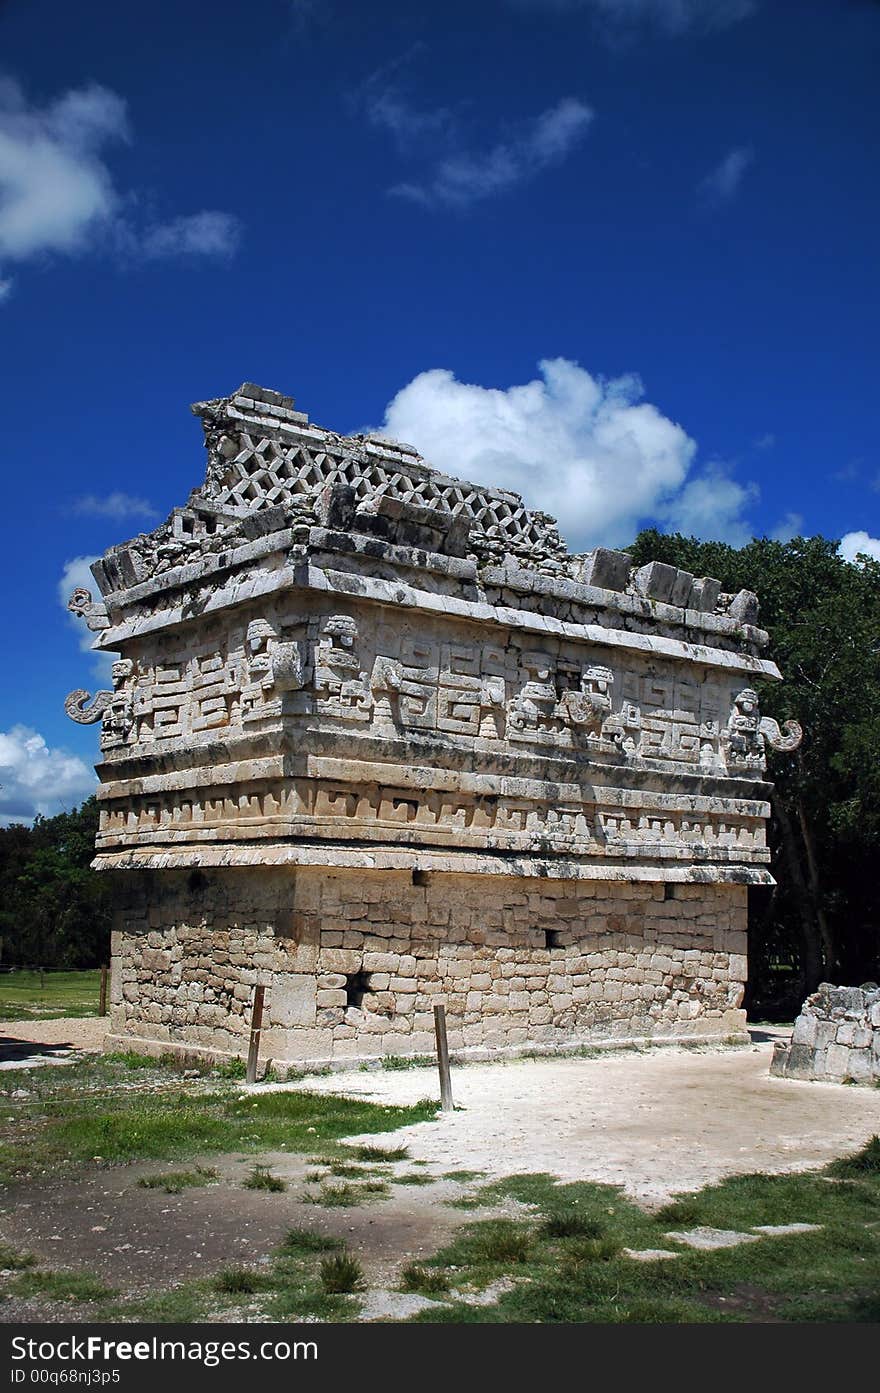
{"x": 462, "y": 1176}
{"x": 82, "y": 1118}
{"x": 41, "y": 996}
{"x": 586, "y": 1251}
{"x": 310, "y": 1301}
{"x": 679, "y": 1212}
{"x": 414, "y": 1178}
{"x": 570, "y": 1224}
{"x": 350, "y": 1170}
{"x": 261, "y": 1178}
{"x": 60, "y": 1286}
{"x": 381, "y": 1153}
{"x": 407, "y": 1061}
{"x": 341, "y": 1274}
{"x": 342, "y": 1196}
{"x": 429, "y": 1281}
{"x": 11, "y": 1260}
{"x": 489, "y": 1241}
{"x": 301, "y": 1242}
{"x": 183, "y": 1304}
{"x": 172, "y": 1182}
{"x": 864, "y": 1162}
{"x": 131, "y": 1060}
{"x": 567, "y": 1262}
{"x": 230, "y": 1069}
{"x": 241, "y": 1281}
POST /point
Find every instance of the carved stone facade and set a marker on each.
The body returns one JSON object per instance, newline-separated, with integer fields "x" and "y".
{"x": 376, "y": 740}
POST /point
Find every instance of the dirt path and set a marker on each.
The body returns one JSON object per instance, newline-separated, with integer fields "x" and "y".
{"x": 655, "y": 1123}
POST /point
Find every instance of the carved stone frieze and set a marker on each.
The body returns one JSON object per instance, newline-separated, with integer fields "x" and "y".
{"x": 85, "y": 607}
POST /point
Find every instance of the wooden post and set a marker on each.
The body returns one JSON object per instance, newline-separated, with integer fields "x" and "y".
{"x": 256, "y": 1027}
{"x": 102, "y": 1005}
{"x": 446, "y": 1103}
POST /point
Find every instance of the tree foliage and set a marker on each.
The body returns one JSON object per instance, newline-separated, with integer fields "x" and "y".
{"x": 823, "y": 617}
{"x": 54, "y": 909}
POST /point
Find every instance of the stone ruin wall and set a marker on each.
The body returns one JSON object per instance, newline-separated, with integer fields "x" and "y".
{"x": 355, "y": 962}
{"x": 836, "y": 1037}
{"x": 377, "y": 741}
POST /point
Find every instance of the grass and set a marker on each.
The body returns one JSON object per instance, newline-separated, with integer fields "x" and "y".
{"x": 407, "y": 1061}
{"x": 241, "y": 1281}
{"x": 105, "y": 1112}
{"x": 299, "y": 1242}
{"x": 13, "y": 1261}
{"x": 261, "y": 1178}
{"x": 566, "y": 1261}
{"x": 341, "y": 1274}
{"x": 172, "y": 1182}
{"x": 35, "y": 996}
{"x": 428, "y": 1281}
{"x": 863, "y": 1163}
{"x": 346, "y": 1196}
{"x": 569, "y": 1224}
{"x": 414, "y": 1178}
{"x": 384, "y": 1153}
{"x": 59, "y": 1286}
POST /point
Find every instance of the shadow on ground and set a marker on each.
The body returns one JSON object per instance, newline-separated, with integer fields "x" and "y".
{"x": 15, "y": 1053}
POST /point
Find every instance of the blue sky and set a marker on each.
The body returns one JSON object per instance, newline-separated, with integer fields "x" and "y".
{"x": 619, "y": 255}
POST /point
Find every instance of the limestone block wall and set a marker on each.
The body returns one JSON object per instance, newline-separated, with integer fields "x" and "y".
{"x": 354, "y": 961}
{"x": 836, "y": 1037}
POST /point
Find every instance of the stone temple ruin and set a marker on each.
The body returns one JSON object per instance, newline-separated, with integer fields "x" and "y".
{"x": 377, "y": 741}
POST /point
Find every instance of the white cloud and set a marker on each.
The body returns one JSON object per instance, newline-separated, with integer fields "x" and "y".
{"x": 386, "y": 107}
{"x": 5, "y": 289}
{"x": 201, "y": 234}
{"x": 856, "y": 543}
{"x": 113, "y": 505}
{"x": 57, "y": 194}
{"x": 54, "y": 184}
{"x": 765, "y": 442}
{"x": 721, "y": 183}
{"x": 36, "y": 779}
{"x": 792, "y": 525}
{"x": 464, "y": 178}
{"x": 589, "y": 451}
{"x": 670, "y": 17}
{"x": 711, "y": 506}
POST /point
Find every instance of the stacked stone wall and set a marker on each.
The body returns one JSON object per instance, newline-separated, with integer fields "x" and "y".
{"x": 353, "y": 962}
{"x": 836, "y": 1037}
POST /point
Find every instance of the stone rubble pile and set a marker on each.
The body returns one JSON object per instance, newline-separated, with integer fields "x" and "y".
{"x": 836, "y": 1037}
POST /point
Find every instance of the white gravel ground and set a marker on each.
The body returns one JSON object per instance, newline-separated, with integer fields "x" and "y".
{"x": 657, "y": 1123}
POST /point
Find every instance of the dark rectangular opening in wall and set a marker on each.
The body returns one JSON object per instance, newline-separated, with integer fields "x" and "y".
{"x": 420, "y": 877}
{"x": 668, "y": 891}
{"x": 357, "y": 986}
{"x": 552, "y": 938}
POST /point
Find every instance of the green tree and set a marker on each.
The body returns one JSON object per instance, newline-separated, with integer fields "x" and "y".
{"x": 54, "y": 909}
{"x": 823, "y": 617}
